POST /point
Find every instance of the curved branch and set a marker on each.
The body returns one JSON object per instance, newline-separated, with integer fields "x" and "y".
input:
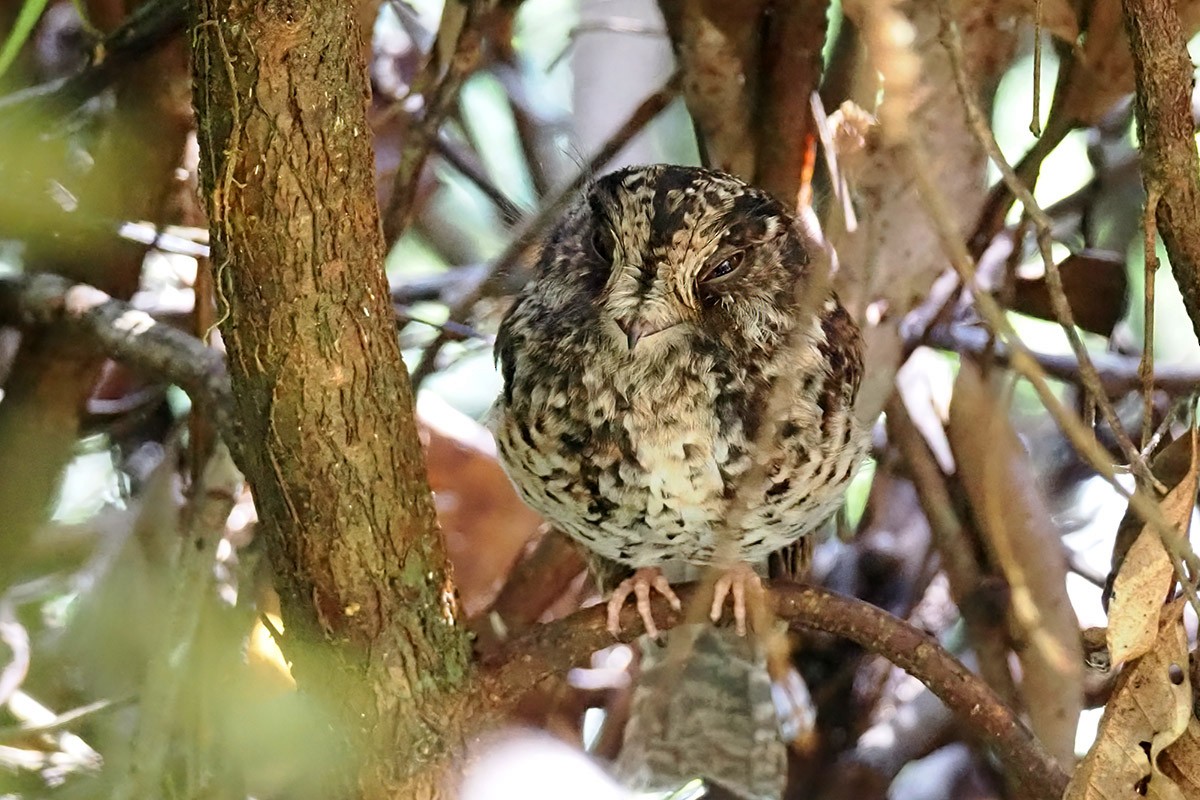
{"x": 124, "y": 333}
{"x": 553, "y": 648}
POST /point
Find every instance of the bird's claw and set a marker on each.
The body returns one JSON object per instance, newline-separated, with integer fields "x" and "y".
{"x": 736, "y": 580}
{"x": 639, "y": 586}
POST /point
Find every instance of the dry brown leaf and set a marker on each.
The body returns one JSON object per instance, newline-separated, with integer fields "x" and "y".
{"x": 1138, "y": 595}
{"x": 1145, "y": 578}
{"x": 1170, "y": 466}
{"x": 1024, "y": 543}
{"x": 1148, "y": 712}
{"x": 484, "y": 522}
{"x": 1181, "y": 761}
{"x": 1096, "y": 285}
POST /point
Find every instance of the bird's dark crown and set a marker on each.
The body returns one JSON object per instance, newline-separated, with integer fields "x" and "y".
{"x": 665, "y": 247}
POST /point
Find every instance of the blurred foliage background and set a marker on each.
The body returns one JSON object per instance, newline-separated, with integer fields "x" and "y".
{"x": 105, "y": 624}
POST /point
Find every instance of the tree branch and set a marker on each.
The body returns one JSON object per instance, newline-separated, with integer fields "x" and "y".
{"x": 122, "y": 332}
{"x": 552, "y": 649}
{"x": 147, "y": 28}
{"x": 1167, "y": 130}
{"x": 422, "y": 134}
{"x": 1117, "y": 374}
{"x": 529, "y": 232}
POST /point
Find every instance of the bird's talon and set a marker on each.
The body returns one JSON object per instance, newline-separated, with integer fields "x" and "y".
{"x": 735, "y": 581}
{"x": 639, "y": 586}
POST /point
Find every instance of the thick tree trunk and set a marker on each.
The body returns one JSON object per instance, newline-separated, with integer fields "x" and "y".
{"x": 330, "y": 444}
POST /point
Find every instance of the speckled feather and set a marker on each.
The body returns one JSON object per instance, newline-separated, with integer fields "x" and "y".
{"x": 639, "y": 452}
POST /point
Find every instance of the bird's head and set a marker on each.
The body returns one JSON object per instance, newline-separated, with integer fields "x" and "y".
{"x": 666, "y": 254}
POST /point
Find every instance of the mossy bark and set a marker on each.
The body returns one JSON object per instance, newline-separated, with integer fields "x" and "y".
{"x": 329, "y": 441}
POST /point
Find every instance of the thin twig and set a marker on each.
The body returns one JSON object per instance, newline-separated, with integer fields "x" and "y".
{"x": 422, "y": 133}
{"x": 1035, "y": 122}
{"x": 149, "y": 27}
{"x": 457, "y": 157}
{"x": 532, "y": 230}
{"x": 1118, "y": 374}
{"x": 551, "y": 649}
{"x": 453, "y": 331}
{"x": 16, "y": 733}
{"x": 1023, "y": 362}
{"x": 1043, "y": 226}
{"x": 1146, "y": 365}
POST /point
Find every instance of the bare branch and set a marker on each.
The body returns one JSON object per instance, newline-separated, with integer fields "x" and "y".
{"x": 124, "y": 333}
{"x": 422, "y": 134}
{"x": 551, "y": 649}
{"x": 531, "y": 231}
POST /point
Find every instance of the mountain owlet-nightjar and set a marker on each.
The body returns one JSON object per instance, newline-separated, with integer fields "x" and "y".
{"x": 639, "y": 365}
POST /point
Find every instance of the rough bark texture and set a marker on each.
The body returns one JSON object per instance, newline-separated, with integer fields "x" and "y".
{"x": 1170, "y": 165}
{"x": 329, "y": 441}
{"x": 749, "y": 70}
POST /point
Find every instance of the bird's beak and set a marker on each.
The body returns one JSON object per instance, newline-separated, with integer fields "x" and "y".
{"x": 637, "y": 329}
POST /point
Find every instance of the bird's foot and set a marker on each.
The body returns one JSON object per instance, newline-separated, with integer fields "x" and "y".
{"x": 639, "y": 586}
{"x": 736, "y": 580}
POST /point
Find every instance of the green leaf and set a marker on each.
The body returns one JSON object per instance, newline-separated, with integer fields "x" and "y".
{"x": 31, "y": 12}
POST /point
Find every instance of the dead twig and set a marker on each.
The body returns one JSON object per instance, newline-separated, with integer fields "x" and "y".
{"x": 1118, "y": 374}
{"x": 553, "y": 648}
{"x": 149, "y": 27}
{"x": 1020, "y": 358}
{"x": 1043, "y": 226}
{"x": 1146, "y": 365}
{"x": 469, "y": 167}
{"x": 422, "y": 134}
{"x": 17, "y": 733}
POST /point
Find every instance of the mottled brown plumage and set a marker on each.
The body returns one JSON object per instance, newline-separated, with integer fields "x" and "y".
{"x": 638, "y": 451}
{"x": 678, "y": 378}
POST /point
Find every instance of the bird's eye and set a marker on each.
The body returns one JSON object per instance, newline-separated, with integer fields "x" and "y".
{"x": 724, "y": 267}
{"x": 603, "y": 242}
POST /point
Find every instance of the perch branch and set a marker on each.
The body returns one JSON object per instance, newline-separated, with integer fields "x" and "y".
{"x": 123, "y": 333}
{"x": 551, "y": 649}
{"x": 1164, "y": 75}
